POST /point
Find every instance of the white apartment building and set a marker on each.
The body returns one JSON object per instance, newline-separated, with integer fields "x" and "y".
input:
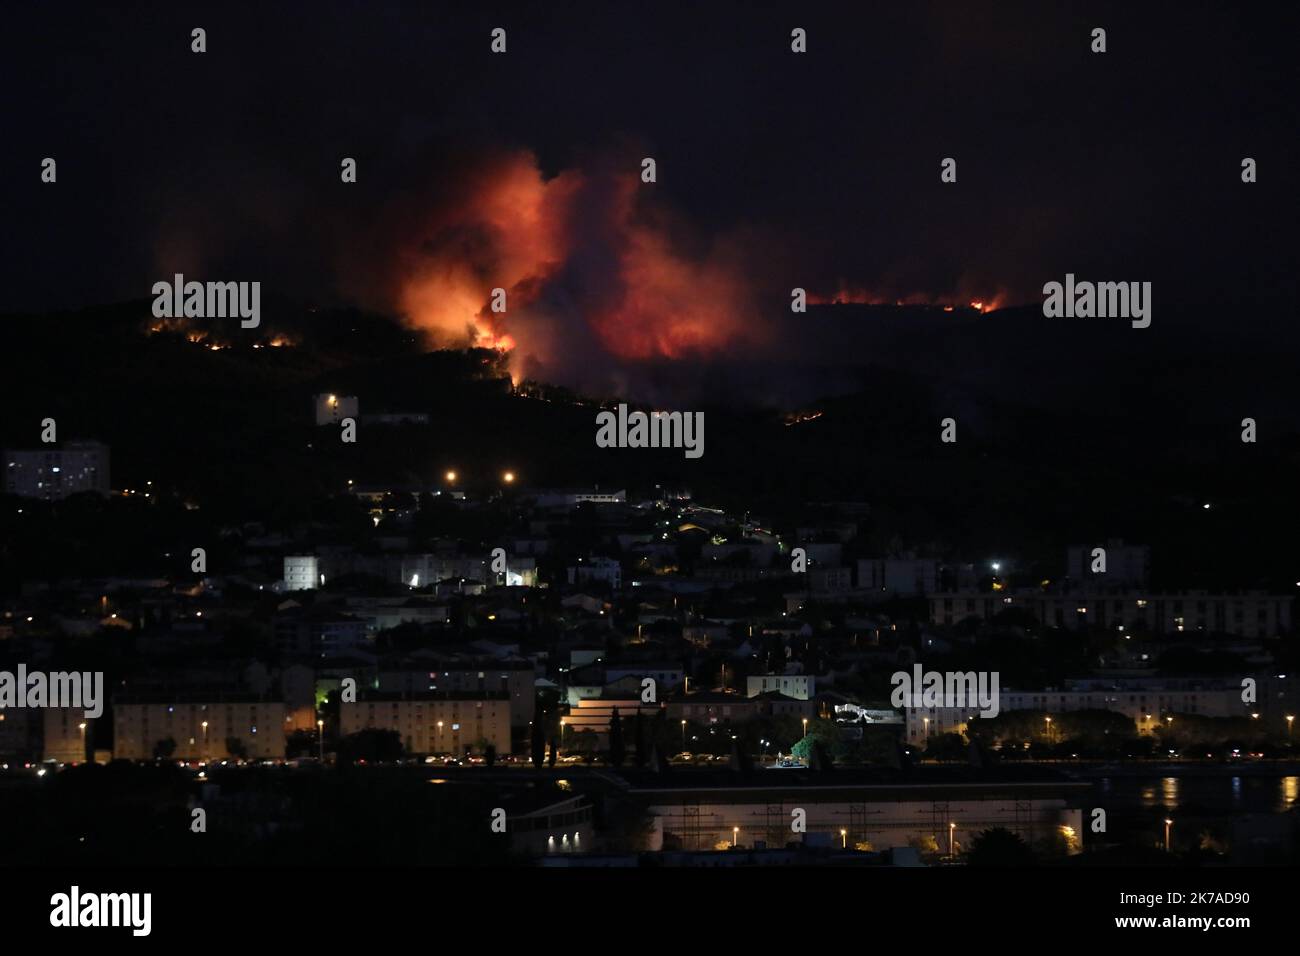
{"x": 798, "y": 686}
{"x": 302, "y": 572}
{"x": 1147, "y": 703}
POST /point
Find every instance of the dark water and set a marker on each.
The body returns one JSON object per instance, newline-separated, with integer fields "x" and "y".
{"x": 1226, "y": 793}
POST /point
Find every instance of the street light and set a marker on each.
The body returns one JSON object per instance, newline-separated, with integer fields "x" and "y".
{"x": 805, "y": 726}
{"x": 952, "y": 829}
{"x": 1290, "y": 719}
{"x": 844, "y": 839}
{"x": 683, "y": 736}
{"x": 1049, "y": 728}
{"x": 205, "y": 738}
{"x": 320, "y": 738}
{"x": 83, "y": 740}
{"x": 735, "y": 835}
{"x": 451, "y": 477}
{"x": 508, "y": 477}
{"x": 1168, "y": 823}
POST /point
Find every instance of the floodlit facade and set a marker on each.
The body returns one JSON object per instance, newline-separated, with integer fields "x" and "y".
{"x": 302, "y": 572}
{"x": 798, "y": 686}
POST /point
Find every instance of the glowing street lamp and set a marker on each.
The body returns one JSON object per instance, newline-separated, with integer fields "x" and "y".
{"x": 683, "y": 735}
{"x": 1049, "y": 728}
{"x": 735, "y": 835}
{"x": 1168, "y": 823}
{"x": 451, "y": 477}
{"x": 320, "y": 738}
{"x": 952, "y": 829}
{"x": 508, "y": 477}
{"x": 844, "y": 839}
{"x": 1290, "y": 719}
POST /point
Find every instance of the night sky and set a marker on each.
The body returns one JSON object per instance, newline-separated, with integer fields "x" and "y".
{"x": 775, "y": 170}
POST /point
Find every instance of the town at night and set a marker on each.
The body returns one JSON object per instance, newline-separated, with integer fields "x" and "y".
{"x": 504, "y": 462}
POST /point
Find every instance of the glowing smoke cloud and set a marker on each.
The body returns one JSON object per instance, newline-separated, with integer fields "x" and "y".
{"x": 603, "y": 282}
{"x": 589, "y": 265}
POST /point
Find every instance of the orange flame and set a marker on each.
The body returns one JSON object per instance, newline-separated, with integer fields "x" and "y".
{"x": 516, "y": 231}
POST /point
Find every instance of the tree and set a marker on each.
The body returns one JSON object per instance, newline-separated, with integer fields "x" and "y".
{"x": 550, "y": 759}
{"x": 628, "y": 827}
{"x": 999, "y": 847}
{"x": 638, "y": 738}
{"x": 946, "y": 747}
{"x": 820, "y": 732}
{"x": 371, "y": 744}
{"x": 235, "y": 747}
{"x": 300, "y": 743}
{"x": 539, "y": 742}
{"x": 490, "y": 755}
{"x": 617, "y": 751}
{"x": 163, "y": 749}
{"x": 582, "y": 742}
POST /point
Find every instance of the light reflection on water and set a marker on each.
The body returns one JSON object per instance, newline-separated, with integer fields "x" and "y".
{"x": 1236, "y": 793}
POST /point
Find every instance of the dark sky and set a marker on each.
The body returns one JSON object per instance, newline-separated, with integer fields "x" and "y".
{"x": 1116, "y": 166}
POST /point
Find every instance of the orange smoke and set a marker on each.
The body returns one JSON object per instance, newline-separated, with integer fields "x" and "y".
{"x": 666, "y": 305}
{"x": 503, "y": 231}
{"x": 593, "y": 264}
{"x": 581, "y": 253}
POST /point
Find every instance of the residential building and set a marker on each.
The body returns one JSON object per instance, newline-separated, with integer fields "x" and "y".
{"x": 1249, "y": 614}
{"x": 901, "y": 577}
{"x": 201, "y": 728}
{"x": 56, "y": 471}
{"x": 434, "y": 723}
{"x": 798, "y": 686}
